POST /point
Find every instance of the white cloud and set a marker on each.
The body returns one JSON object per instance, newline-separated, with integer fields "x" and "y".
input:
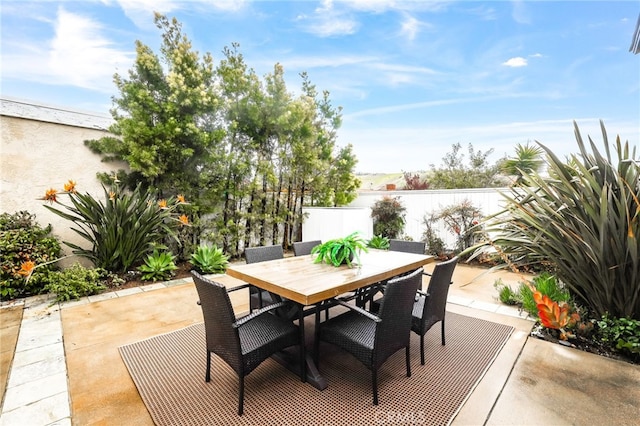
{"x": 516, "y": 62}
{"x": 327, "y": 21}
{"x": 78, "y": 55}
{"x": 521, "y": 12}
{"x": 141, "y": 12}
{"x": 410, "y": 27}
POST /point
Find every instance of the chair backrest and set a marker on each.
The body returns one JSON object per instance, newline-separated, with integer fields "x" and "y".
{"x": 435, "y": 306}
{"x": 222, "y": 338}
{"x": 417, "y": 247}
{"x": 394, "y": 330}
{"x": 263, "y": 253}
{"x": 302, "y": 248}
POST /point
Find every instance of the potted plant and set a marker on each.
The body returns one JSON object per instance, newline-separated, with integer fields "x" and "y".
{"x": 340, "y": 251}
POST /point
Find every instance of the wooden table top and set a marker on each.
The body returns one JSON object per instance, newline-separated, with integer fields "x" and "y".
{"x": 299, "y": 279}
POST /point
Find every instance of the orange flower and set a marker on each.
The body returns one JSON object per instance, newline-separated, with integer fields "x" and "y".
{"x": 184, "y": 219}
{"x": 162, "y": 204}
{"x": 181, "y": 199}
{"x": 70, "y": 186}
{"x": 112, "y": 195}
{"x": 51, "y": 195}
{"x": 26, "y": 268}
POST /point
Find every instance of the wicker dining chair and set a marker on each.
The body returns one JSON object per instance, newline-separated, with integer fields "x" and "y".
{"x": 303, "y": 248}
{"x": 246, "y": 342}
{"x": 430, "y": 306}
{"x": 417, "y": 247}
{"x": 372, "y": 339}
{"x": 257, "y": 297}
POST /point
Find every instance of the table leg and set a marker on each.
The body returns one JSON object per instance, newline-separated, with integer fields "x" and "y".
{"x": 291, "y": 358}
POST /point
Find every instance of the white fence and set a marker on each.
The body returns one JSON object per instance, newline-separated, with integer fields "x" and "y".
{"x": 327, "y": 223}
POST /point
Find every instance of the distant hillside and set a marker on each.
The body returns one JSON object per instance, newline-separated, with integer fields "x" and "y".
{"x": 379, "y": 181}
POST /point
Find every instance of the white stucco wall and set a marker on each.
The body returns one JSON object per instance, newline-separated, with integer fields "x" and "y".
{"x": 420, "y": 203}
{"x": 44, "y": 150}
{"x": 326, "y": 223}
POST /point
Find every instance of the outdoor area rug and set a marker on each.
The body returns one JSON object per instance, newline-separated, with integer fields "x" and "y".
{"x": 169, "y": 370}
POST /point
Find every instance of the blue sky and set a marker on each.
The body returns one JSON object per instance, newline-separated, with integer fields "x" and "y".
{"x": 413, "y": 77}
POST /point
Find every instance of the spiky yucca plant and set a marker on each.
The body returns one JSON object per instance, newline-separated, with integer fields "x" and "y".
{"x": 582, "y": 222}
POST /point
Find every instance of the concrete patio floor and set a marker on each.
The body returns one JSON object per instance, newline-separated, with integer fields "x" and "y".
{"x": 60, "y": 364}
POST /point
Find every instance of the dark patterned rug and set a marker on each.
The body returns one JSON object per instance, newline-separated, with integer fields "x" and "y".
{"x": 168, "y": 371}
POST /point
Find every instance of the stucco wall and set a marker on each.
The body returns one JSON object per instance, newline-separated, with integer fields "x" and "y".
{"x": 38, "y": 155}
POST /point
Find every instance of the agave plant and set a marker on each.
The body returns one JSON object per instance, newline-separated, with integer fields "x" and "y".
{"x": 582, "y": 222}
{"x": 378, "y": 242}
{"x": 158, "y": 266}
{"x": 209, "y": 260}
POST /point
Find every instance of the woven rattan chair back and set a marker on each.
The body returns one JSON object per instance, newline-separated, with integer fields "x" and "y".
{"x": 370, "y": 338}
{"x": 394, "y": 331}
{"x": 417, "y": 247}
{"x": 431, "y": 308}
{"x": 222, "y": 338}
{"x": 303, "y": 248}
{"x": 259, "y": 298}
{"x": 263, "y": 253}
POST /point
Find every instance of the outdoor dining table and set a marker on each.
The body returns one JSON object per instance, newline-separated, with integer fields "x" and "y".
{"x": 301, "y": 280}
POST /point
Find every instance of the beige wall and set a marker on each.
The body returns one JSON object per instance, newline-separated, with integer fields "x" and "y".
{"x": 37, "y": 155}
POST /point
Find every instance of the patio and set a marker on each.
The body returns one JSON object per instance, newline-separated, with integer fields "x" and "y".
{"x": 530, "y": 381}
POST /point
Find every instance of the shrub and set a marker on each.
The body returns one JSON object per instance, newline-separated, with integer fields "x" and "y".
{"x": 506, "y": 293}
{"x": 462, "y": 220}
{"x": 413, "y": 182}
{"x": 621, "y": 333}
{"x": 388, "y": 217}
{"x": 22, "y": 240}
{"x": 122, "y": 229}
{"x": 434, "y": 244}
{"x": 158, "y": 266}
{"x": 581, "y": 222}
{"x": 75, "y": 282}
{"x": 209, "y": 260}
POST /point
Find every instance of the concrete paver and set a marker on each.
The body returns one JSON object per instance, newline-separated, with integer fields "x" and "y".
{"x": 530, "y": 382}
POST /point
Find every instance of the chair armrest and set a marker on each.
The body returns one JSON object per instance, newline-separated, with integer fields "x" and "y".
{"x": 257, "y": 313}
{"x": 358, "y": 310}
{"x": 238, "y": 287}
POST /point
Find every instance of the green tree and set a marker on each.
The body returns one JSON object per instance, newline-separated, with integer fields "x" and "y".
{"x": 165, "y": 121}
{"x": 241, "y": 149}
{"x": 477, "y": 172}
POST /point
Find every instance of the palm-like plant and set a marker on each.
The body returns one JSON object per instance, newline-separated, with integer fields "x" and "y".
{"x": 528, "y": 159}
{"x": 583, "y": 223}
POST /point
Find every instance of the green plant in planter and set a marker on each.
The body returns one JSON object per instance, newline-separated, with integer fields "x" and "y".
{"x": 158, "y": 266}
{"x": 209, "y": 260}
{"x": 340, "y": 251}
